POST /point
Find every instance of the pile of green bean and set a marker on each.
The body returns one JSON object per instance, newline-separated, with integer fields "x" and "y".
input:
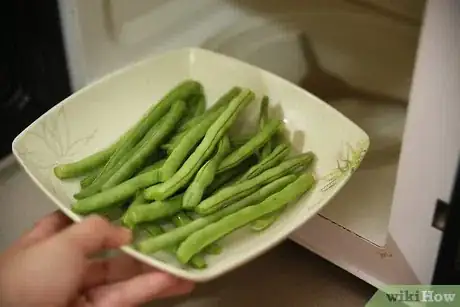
{"x": 179, "y": 177}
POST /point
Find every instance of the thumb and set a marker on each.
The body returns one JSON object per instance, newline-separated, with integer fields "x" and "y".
{"x": 94, "y": 234}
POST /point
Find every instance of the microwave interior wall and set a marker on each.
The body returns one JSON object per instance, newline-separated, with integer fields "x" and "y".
{"x": 357, "y": 55}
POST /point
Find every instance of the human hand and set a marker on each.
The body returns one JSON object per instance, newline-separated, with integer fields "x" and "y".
{"x": 52, "y": 266}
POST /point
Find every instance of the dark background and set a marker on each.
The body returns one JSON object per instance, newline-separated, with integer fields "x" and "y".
{"x": 33, "y": 71}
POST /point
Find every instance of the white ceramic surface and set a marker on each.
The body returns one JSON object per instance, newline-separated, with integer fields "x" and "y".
{"x": 95, "y": 116}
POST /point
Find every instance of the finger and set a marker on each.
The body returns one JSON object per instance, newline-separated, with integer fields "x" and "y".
{"x": 48, "y": 226}
{"x": 94, "y": 234}
{"x": 139, "y": 290}
{"x": 112, "y": 270}
{"x": 43, "y": 229}
{"x": 182, "y": 288}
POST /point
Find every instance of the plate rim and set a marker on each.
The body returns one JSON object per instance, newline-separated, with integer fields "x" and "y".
{"x": 193, "y": 275}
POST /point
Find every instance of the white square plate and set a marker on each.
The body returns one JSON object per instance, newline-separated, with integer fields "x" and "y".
{"x": 95, "y": 116}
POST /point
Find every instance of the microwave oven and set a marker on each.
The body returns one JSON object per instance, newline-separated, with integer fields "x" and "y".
{"x": 391, "y": 66}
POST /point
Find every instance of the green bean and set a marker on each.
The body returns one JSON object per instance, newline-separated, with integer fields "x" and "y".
{"x": 219, "y": 106}
{"x": 223, "y": 178}
{"x": 87, "y": 164}
{"x": 266, "y": 221}
{"x": 154, "y": 211}
{"x": 251, "y": 146}
{"x": 223, "y": 101}
{"x": 205, "y": 176}
{"x": 192, "y": 104}
{"x": 232, "y": 193}
{"x": 177, "y": 138}
{"x": 157, "y": 165}
{"x": 138, "y": 131}
{"x": 111, "y": 214}
{"x": 263, "y": 120}
{"x": 174, "y": 142}
{"x": 214, "y": 249}
{"x": 274, "y": 158}
{"x": 212, "y": 137}
{"x": 153, "y": 230}
{"x": 229, "y": 176}
{"x": 96, "y": 187}
{"x": 152, "y": 159}
{"x": 139, "y": 200}
{"x": 150, "y": 146}
{"x": 200, "y": 106}
{"x": 197, "y": 261}
{"x": 196, "y": 106}
{"x": 209, "y": 234}
{"x": 97, "y": 184}
{"x": 240, "y": 140}
{"x": 116, "y": 194}
{"x": 123, "y": 191}
{"x": 177, "y": 235}
{"x": 263, "y": 115}
{"x": 186, "y": 144}
{"x": 167, "y": 147}
{"x": 181, "y": 219}
{"x": 114, "y": 152}
{"x": 85, "y": 182}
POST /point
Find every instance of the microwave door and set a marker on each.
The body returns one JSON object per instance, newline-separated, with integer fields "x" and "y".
{"x": 431, "y": 143}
